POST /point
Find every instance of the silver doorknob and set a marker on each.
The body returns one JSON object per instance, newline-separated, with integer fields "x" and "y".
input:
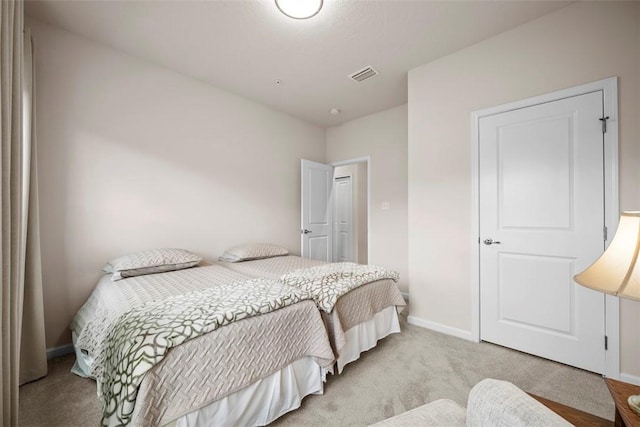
{"x": 490, "y": 241}
{"x": 305, "y": 231}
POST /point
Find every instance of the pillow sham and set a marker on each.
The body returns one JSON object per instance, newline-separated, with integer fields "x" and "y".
{"x": 150, "y": 262}
{"x": 253, "y": 251}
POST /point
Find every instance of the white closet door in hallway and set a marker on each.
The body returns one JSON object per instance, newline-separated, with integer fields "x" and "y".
{"x": 343, "y": 219}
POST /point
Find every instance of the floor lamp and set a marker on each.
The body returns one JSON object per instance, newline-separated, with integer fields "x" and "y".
{"x": 617, "y": 271}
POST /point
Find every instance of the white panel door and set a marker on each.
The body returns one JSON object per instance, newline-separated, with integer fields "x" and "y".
{"x": 343, "y": 220}
{"x": 316, "y": 210}
{"x": 541, "y": 222}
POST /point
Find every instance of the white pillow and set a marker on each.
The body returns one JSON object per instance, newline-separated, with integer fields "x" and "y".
{"x": 253, "y": 251}
{"x": 149, "y": 262}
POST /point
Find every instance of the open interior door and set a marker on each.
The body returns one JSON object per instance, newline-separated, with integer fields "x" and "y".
{"x": 316, "y": 231}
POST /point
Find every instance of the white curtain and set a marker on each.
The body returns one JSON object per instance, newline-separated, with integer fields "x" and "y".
{"x": 33, "y": 351}
{"x": 22, "y": 347}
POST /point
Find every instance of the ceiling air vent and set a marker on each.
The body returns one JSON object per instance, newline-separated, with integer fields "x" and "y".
{"x": 364, "y": 74}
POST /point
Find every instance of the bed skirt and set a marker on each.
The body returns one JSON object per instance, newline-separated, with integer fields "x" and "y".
{"x": 262, "y": 402}
{"x": 364, "y": 336}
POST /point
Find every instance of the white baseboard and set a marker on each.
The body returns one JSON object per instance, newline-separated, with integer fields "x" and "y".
{"x": 628, "y": 378}
{"x": 59, "y": 351}
{"x": 438, "y": 327}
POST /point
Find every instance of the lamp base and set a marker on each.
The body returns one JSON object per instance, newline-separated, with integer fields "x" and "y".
{"x": 634, "y": 403}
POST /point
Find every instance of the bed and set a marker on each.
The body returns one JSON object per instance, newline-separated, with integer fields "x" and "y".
{"x": 359, "y": 319}
{"x": 243, "y": 372}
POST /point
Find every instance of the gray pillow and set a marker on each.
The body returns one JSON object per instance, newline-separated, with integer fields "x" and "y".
{"x": 253, "y": 251}
{"x": 149, "y": 262}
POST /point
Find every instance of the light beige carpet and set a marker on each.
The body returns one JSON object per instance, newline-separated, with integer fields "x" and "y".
{"x": 404, "y": 371}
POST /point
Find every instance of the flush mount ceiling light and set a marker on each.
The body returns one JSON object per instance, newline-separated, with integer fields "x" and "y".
{"x": 299, "y": 9}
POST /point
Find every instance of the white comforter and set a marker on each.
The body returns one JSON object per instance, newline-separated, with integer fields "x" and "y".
{"x": 211, "y": 366}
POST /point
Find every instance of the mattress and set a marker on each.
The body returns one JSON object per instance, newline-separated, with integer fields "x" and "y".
{"x": 210, "y": 367}
{"x": 356, "y": 307}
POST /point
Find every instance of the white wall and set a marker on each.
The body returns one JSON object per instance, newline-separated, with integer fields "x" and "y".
{"x": 383, "y": 136}
{"x": 583, "y": 42}
{"x": 134, "y": 156}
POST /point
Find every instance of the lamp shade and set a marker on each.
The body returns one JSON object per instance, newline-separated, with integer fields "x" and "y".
{"x": 617, "y": 271}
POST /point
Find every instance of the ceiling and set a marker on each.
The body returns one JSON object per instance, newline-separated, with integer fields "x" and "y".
{"x": 247, "y": 46}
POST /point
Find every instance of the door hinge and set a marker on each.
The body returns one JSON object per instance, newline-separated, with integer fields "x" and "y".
{"x": 606, "y": 342}
{"x": 604, "y": 124}
{"x": 605, "y": 233}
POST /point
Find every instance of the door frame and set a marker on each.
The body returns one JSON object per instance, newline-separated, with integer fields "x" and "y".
{"x": 367, "y": 160}
{"x": 609, "y": 87}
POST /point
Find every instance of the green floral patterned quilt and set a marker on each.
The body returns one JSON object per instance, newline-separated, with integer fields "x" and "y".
{"x": 144, "y": 335}
{"x": 329, "y": 282}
